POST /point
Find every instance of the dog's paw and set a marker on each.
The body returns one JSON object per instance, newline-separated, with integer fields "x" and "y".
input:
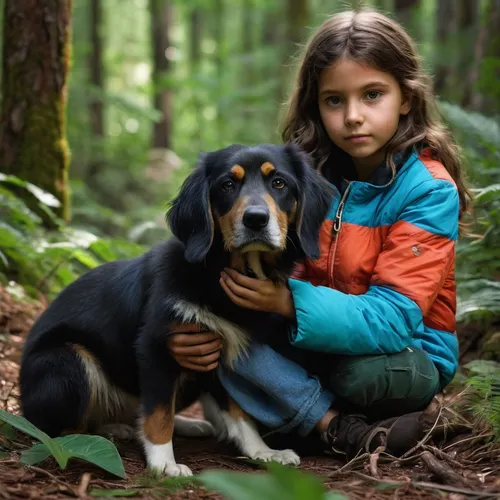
{"x": 177, "y": 470}
{"x": 192, "y": 427}
{"x": 123, "y": 432}
{"x": 284, "y": 457}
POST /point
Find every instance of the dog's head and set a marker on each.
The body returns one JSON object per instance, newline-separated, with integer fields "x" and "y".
{"x": 253, "y": 197}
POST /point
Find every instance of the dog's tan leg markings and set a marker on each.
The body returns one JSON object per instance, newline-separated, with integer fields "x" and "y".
{"x": 239, "y": 427}
{"x": 267, "y": 168}
{"x": 156, "y": 435}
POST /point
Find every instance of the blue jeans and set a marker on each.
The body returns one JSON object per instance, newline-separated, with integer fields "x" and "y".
{"x": 290, "y": 389}
{"x": 276, "y": 391}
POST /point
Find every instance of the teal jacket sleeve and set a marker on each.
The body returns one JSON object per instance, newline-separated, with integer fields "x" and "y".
{"x": 403, "y": 286}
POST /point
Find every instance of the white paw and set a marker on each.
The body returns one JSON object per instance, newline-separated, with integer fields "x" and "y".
{"x": 119, "y": 431}
{"x": 285, "y": 457}
{"x": 192, "y": 427}
{"x": 176, "y": 470}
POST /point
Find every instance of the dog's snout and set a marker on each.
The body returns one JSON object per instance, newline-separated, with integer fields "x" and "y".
{"x": 256, "y": 218}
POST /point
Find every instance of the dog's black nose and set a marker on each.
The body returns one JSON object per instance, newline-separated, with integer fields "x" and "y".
{"x": 256, "y": 218}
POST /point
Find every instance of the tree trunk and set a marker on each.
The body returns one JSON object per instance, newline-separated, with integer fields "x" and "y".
{"x": 96, "y": 108}
{"x": 219, "y": 56}
{"x": 403, "y": 10}
{"x": 160, "y": 21}
{"x": 248, "y": 74}
{"x": 489, "y": 101}
{"x": 470, "y": 48}
{"x": 36, "y": 44}
{"x": 297, "y": 19}
{"x": 195, "y": 34}
{"x": 445, "y": 26}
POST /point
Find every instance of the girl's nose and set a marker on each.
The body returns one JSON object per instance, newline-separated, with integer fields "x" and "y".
{"x": 353, "y": 115}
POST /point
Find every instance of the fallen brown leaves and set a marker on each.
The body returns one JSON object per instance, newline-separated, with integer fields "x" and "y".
{"x": 455, "y": 460}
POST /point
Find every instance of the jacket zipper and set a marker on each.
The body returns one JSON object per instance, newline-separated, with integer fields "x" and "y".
{"x": 337, "y": 223}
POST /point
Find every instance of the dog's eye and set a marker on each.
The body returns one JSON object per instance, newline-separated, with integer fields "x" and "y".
{"x": 278, "y": 183}
{"x": 228, "y": 186}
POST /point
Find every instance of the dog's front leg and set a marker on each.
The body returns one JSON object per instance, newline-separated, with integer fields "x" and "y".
{"x": 157, "y": 429}
{"x": 240, "y": 428}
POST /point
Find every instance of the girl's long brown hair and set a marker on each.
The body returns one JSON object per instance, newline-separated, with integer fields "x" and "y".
{"x": 371, "y": 38}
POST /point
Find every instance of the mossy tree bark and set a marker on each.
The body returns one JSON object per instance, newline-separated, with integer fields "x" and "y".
{"x": 36, "y": 55}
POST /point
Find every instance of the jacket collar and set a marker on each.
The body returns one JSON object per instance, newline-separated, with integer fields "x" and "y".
{"x": 344, "y": 171}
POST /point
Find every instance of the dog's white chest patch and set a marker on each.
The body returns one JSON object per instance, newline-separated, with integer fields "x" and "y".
{"x": 235, "y": 338}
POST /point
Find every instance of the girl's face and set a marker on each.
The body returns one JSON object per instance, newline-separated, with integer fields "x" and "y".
{"x": 360, "y": 109}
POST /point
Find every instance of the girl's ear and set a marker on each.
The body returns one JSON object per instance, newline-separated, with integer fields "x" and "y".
{"x": 405, "y": 104}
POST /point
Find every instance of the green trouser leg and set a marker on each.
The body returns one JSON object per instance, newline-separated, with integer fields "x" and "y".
{"x": 383, "y": 385}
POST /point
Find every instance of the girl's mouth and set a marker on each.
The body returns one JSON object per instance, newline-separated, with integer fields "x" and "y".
{"x": 357, "y": 138}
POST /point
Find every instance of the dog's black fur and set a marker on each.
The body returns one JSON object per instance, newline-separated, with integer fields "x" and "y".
{"x": 116, "y": 317}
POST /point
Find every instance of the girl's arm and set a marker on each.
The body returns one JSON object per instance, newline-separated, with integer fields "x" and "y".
{"x": 410, "y": 271}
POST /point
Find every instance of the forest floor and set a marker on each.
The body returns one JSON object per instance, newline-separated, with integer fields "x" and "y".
{"x": 464, "y": 465}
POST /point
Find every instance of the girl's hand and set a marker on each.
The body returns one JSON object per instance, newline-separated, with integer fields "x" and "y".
{"x": 259, "y": 295}
{"x": 195, "y": 351}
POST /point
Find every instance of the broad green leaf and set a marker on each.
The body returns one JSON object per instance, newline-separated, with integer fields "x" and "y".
{"x": 27, "y": 427}
{"x": 8, "y": 236}
{"x": 334, "y": 495}
{"x": 7, "y": 430}
{"x": 114, "y": 493}
{"x": 483, "y": 367}
{"x": 301, "y": 484}
{"x": 85, "y": 258}
{"x": 244, "y": 486}
{"x": 3, "y": 258}
{"x": 4, "y": 454}
{"x": 95, "y": 449}
{"x": 285, "y": 483}
{"x": 44, "y": 196}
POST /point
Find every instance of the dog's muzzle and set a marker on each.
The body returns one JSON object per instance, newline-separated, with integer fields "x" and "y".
{"x": 257, "y": 229}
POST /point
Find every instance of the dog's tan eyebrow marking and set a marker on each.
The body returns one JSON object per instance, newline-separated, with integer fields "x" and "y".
{"x": 267, "y": 168}
{"x": 238, "y": 171}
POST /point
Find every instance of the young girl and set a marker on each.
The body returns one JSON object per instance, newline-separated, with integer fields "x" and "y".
{"x": 371, "y": 323}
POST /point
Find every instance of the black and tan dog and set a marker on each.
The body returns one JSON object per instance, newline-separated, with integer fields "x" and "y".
{"x": 98, "y": 355}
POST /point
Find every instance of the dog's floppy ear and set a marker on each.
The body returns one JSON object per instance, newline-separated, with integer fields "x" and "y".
{"x": 190, "y": 215}
{"x": 315, "y": 197}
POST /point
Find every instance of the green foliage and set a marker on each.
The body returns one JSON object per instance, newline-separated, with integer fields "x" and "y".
{"x": 478, "y": 256}
{"x": 285, "y": 483}
{"x": 94, "y": 449}
{"x": 46, "y": 260}
{"x": 484, "y": 381}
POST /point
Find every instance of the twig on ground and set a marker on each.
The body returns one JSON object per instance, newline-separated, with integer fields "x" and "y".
{"x": 470, "y": 438}
{"x": 442, "y": 470}
{"x": 373, "y": 464}
{"x": 44, "y": 472}
{"x": 84, "y": 484}
{"x": 349, "y": 464}
{"x": 443, "y": 456}
{"x": 427, "y": 485}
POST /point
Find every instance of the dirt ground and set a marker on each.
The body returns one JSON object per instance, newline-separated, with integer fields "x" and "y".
{"x": 464, "y": 465}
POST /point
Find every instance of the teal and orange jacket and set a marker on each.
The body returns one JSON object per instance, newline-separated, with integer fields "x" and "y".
{"x": 385, "y": 279}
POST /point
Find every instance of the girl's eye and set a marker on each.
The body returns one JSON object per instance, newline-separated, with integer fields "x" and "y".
{"x": 333, "y": 100}
{"x": 278, "y": 183}
{"x": 373, "y": 94}
{"x": 228, "y": 186}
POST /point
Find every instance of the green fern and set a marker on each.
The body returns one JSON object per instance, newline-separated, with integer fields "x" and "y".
{"x": 484, "y": 383}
